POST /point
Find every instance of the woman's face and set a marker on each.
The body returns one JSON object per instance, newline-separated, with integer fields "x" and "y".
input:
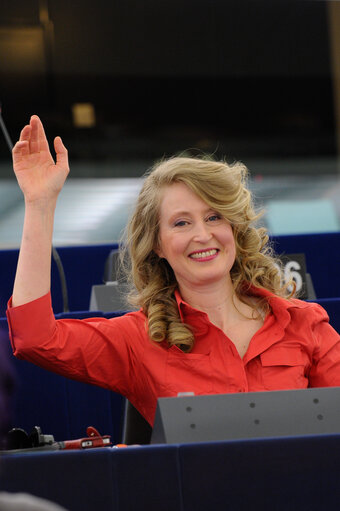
{"x": 195, "y": 240}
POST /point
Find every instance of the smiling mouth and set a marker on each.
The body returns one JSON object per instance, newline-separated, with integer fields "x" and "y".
{"x": 206, "y": 254}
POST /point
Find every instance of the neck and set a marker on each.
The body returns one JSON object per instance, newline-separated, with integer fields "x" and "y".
{"x": 208, "y": 298}
{"x": 219, "y": 302}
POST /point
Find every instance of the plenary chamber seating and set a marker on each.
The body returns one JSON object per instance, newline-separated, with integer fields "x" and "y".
{"x": 63, "y": 407}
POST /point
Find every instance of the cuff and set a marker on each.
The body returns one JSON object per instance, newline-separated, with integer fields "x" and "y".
{"x": 30, "y": 323}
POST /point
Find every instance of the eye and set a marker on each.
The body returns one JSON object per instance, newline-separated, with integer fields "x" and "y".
{"x": 180, "y": 223}
{"x": 214, "y": 217}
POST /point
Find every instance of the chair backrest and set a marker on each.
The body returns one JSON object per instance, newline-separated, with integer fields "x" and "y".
{"x": 136, "y": 430}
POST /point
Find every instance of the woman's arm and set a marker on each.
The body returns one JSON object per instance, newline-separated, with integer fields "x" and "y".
{"x": 40, "y": 180}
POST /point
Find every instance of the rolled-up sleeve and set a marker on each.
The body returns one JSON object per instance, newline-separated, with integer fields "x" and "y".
{"x": 30, "y": 324}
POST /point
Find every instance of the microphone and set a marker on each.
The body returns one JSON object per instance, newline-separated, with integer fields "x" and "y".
{"x": 5, "y": 132}
{"x": 55, "y": 254}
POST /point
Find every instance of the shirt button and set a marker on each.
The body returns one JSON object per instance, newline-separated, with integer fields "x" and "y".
{"x": 241, "y": 390}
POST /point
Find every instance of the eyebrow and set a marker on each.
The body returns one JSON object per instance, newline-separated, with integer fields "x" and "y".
{"x": 183, "y": 212}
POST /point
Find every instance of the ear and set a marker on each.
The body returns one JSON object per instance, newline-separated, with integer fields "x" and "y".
{"x": 158, "y": 251}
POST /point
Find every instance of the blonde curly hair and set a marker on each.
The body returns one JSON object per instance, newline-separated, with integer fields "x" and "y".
{"x": 223, "y": 188}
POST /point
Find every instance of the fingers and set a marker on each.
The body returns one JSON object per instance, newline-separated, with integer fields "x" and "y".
{"x": 28, "y": 142}
{"x": 25, "y": 133}
{"x": 39, "y": 132}
{"x": 61, "y": 153}
{"x": 19, "y": 150}
{"x": 34, "y": 135}
{"x": 29, "y": 134}
{"x": 33, "y": 140}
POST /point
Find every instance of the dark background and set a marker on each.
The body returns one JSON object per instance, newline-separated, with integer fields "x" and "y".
{"x": 239, "y": 78}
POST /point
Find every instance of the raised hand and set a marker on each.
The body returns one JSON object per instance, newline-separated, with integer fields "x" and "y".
{"x": 39, "y": 177}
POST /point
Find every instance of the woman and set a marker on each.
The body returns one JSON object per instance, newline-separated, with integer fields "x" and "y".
{"x": 214, "y": 315}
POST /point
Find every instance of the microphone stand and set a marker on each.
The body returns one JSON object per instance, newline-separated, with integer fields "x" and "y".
{"x": 55, "y": 254}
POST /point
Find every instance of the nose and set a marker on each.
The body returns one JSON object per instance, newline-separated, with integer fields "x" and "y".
{"x": 202, "y": 233}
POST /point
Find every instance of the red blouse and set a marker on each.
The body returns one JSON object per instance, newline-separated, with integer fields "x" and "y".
{"x": 295, "y": 348}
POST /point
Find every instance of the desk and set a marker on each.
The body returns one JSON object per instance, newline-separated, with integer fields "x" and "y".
{"x": 285, "y": 474}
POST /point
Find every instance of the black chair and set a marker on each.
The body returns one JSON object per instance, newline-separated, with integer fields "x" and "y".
{"x": 136, "y": 430}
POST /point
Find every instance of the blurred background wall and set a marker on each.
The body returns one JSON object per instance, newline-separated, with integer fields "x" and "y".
{"x": 127, "y": 82}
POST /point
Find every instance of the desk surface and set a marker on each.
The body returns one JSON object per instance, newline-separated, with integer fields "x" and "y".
{"x": 265, "y": 474}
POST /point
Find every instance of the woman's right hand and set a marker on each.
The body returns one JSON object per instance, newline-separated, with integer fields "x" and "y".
{"x": 39, "y": 177}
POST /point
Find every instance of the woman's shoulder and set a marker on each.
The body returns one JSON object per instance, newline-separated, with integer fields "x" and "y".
{"x": 291, "y": 305}
{"x": 312, "y": 308}
{"x": 132, "y": 317}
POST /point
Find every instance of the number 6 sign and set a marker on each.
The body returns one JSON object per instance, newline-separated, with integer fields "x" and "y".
{"x": 294, "y": 267}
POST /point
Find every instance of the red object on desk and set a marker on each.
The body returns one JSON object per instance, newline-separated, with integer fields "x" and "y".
{"x": 93, "y": 439}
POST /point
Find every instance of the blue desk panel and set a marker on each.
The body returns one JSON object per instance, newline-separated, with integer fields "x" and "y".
{"x": 284, "y": 474}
